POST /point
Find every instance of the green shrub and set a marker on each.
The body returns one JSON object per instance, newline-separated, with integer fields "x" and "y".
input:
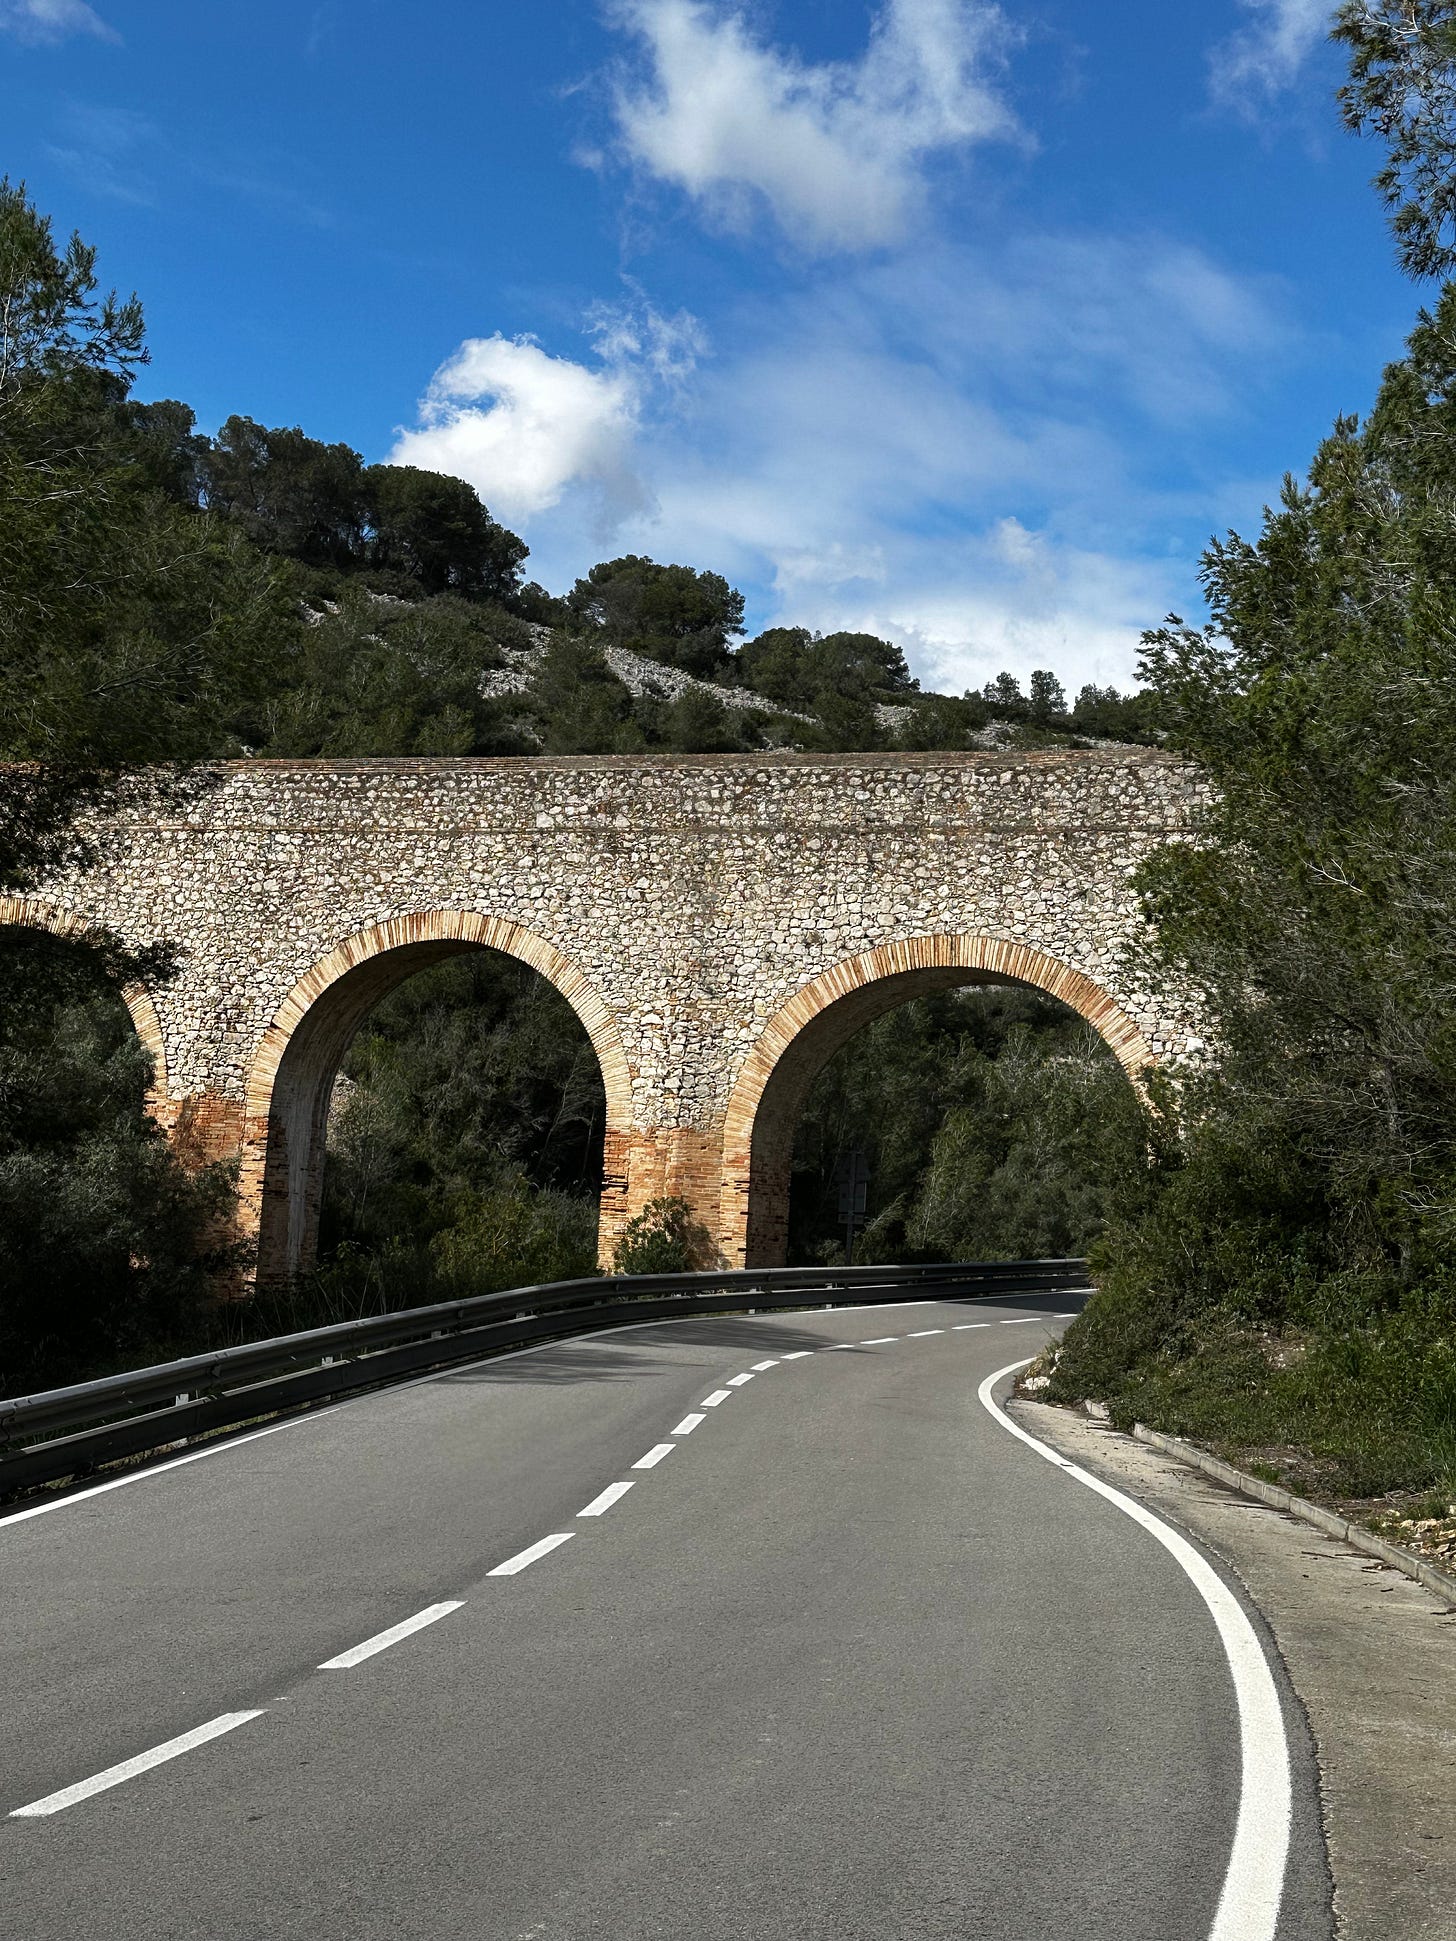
{"x": 664, "y": 1238}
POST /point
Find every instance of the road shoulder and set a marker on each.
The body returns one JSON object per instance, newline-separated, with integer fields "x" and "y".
{"x": 1372, "y": 1656}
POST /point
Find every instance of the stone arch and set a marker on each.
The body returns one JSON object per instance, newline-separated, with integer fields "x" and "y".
{"x": 826, "y": 1013}
{"x": 32, "y": 913}
{"x": 286, "y": 1100}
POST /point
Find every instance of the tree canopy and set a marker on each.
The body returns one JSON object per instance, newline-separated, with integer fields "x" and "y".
{"x": 674, "y": 614}
{"x": 1311, "y": 1193}
{"x": 1402, "y": 91}
{"x": 131, "y": 631}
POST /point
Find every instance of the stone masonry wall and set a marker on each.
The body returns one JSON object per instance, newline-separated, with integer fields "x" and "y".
{"x": 682, "y": 902}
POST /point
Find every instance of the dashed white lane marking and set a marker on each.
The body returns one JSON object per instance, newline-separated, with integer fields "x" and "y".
{"x": 613, "y": 1493}
{"x": 382, "y": 1640}
{"x": 1253, "y": 1887}
{"x": 737, "y": 1381}
{"x": 718, "y": 1395}
{"x": 879, "y": 1340}
{"x": 542, "y": 1548}
{"x": 797, "y": 1355}
{"x": 129, "y": 1768}
{"x": 1021, "y": 1320}
{"x": 689, "y": 1423}
{"x": 759, "y": 1366}
{"x": 959, "y": 1327}
{"x": 654, "y": 1455}
{"x": 919, "y": 1334}
{"x": 314, "y": 1416}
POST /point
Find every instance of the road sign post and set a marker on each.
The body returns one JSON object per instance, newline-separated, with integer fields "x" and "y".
{"x": 853, "y": 1175}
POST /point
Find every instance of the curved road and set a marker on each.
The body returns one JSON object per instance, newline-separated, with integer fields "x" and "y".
{"x": 847, "y": 1661}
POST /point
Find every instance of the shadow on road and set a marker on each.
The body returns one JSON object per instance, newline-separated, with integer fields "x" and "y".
{"x": 625, "y": 1353}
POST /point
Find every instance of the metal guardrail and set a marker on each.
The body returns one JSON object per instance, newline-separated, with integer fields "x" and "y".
{"x": 151, "y": 1408}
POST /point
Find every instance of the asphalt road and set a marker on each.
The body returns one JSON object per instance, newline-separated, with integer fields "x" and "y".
{"x": 848, "y": 1660}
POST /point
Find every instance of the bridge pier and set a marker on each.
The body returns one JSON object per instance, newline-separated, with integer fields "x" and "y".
{"x": 660, "y": 1162}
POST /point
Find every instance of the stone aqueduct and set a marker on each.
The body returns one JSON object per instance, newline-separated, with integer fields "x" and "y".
{"x": 720, "y": 925}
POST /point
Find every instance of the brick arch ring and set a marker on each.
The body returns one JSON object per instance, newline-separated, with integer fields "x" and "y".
{"x": 465, "y": 928}
{"x": 788, "y": 1052}
{"x": 31, "y": 913}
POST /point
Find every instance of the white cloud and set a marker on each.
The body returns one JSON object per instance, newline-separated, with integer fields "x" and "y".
{"x": 961, "y": 622}
{"x": 837, "y": 151}
{"x": 110, "y": 151}
{"x": 1000, "y": 458}
{"x": 43, "y": 22}
{"x": 1267, "y": 53}
{"x": 636, "y": 334}
{"x": 527, "y": 429}
{"x": 991, "y": 457}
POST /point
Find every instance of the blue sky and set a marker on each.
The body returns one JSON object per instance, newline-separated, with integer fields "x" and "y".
{"x": 965, "y": 324}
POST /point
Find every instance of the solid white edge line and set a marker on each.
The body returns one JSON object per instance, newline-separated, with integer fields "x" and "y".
{"x": 382, "y": 1640}
{"x": 689, "y": 1423}
{"x": 543, "y": 1547}
{"x": 718, "y": 1395}
{"x": 152, "y": 1469}
{"x": 613, "y": 1493}
{"x": 129, "y": 1768}
{"x": 1253, "y": 1886}
{"x": 655, "y": 1455}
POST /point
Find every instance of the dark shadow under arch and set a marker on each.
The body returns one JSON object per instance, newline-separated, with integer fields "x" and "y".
{"x": 824, "y": 1015}
{"x": 292, "y": 1077}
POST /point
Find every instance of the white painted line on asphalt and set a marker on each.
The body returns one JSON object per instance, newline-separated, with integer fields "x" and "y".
{"x": 654, "y": 1455}
{"x": 1253, "y": 1886}
{"x": 152, "y": 1469}
{"x": 919, "y": 1334}
{"x": 129, "y": 1768}
{"x": 959, "y": 1327}
{"x": 382, "y": 1640}
{"x": 866, "y": 1307}
{"x": 718, "y": 1395}
{"x": 737, "y": 1381}
{"x": 759, "y": 1366}
{"x": 542, "y": 1548}
{"x": 879, "y": 1340}
{"x": 1021, "y": 1320}
{"x": 613, "y": 1493}
{"x": 312, "y": 1417}
{"x": 688, "y": 1424}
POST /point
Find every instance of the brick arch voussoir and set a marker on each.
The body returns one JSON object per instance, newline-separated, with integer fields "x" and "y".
{"x": 32, "y": 913}
{"x": 993, "y": 957}
{"x": 444, "y": 926}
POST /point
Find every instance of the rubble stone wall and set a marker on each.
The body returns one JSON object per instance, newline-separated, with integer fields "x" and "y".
{"x": 720, "y": 924}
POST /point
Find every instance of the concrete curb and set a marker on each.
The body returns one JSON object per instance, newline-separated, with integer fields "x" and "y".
{"x": 1359, "y": 1538}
